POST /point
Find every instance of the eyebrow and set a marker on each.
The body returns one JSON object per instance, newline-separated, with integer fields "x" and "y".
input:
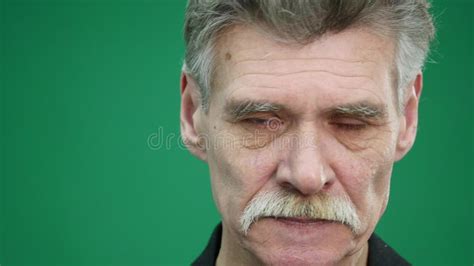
{"x": 237, "y": 109}
{"x": 361, "y": 109}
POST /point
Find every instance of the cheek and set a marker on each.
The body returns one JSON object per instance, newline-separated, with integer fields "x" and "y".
{"x": 365, "y": 175}
{"x": 237, "y": 173}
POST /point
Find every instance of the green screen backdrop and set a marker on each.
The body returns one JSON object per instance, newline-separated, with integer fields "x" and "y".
{"x": 87, "y": 88}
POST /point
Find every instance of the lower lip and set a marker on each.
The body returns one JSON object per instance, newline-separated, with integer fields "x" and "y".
{"x": 302, "y": 222}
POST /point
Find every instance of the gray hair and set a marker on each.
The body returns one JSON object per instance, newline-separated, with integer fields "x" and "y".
{"x": 407, "y": 22}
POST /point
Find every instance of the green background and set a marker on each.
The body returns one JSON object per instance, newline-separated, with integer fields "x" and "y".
{"x": 86, "y": 84}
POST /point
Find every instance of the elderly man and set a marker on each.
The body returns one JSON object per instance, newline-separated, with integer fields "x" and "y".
{"x": 300, "y": 109}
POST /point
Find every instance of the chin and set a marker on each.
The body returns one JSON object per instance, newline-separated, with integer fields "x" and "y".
{"x": 275, "y": 242}
{"x": 305, "y": 256}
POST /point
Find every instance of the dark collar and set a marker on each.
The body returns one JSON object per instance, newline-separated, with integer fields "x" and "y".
{"x": 379, "y": 252}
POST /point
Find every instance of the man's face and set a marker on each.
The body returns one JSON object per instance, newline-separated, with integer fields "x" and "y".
{"x": 312, "y": 120}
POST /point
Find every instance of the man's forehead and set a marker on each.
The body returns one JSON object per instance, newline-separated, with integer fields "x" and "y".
{"x": 304, "y": 93}
{"x": 246, "y": 50}
{"x": 247, "y": 43}
{"x": 253, "y": 65}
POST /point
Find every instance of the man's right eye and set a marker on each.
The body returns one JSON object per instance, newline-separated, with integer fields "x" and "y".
{"x": 271, "y": 124}
{"x": 256, "y": 121}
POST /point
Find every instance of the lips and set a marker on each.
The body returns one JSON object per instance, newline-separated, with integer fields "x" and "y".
{"x": 301, "y": 220}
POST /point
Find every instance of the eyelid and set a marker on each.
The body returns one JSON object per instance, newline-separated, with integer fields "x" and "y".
{"x": 350, "y": 120}
{"x": 269, "y": 122}
{"x": 255, "y": 120}
{"x": 265, "y": 119}
{"x": 354, "y": 118}
{"x": 351, "y": 126}
{"x": 349, "y": 123}
{"x": 260, "y": 115}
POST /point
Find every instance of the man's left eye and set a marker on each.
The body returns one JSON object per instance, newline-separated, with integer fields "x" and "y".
{"x": 349, "y": 124}
{"x": 344, "y": 126}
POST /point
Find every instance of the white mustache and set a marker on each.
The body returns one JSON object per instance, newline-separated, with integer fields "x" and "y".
{"x": 287, "y": 204}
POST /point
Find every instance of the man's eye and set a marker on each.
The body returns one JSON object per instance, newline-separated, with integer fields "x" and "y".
{"x": 349, "y": 124}
{"x": 256, "y": 121}
{"x": 272, "y": 124}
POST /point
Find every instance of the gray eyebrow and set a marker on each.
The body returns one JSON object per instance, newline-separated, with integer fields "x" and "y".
{"x": 360, "y": 109}
{"x": 238, "y": 109}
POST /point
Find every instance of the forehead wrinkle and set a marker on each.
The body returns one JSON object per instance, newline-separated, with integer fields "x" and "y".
{"x": 285, "y": 67}
{"x": 301, "y": 72}
{"x": 368, "y": 88}
{"x": 316, "y": 63}
{"x": 258, "y": 81}
{"x": 299, "y": 59}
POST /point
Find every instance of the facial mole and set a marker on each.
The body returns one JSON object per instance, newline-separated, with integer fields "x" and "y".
{"x": 228, "y": 56}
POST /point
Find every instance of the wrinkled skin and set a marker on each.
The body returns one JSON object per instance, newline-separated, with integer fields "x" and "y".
{"x": 340, "y": 155}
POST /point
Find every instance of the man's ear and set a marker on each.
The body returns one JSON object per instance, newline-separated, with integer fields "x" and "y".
{"x": 409, "y": 118}
{"x": 191, "y": 117}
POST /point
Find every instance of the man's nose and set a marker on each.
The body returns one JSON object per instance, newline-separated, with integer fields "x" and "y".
{"x": 304, "y": 169}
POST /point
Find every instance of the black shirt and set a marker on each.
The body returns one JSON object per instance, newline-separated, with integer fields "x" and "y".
{"x": 380, "y": 254}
